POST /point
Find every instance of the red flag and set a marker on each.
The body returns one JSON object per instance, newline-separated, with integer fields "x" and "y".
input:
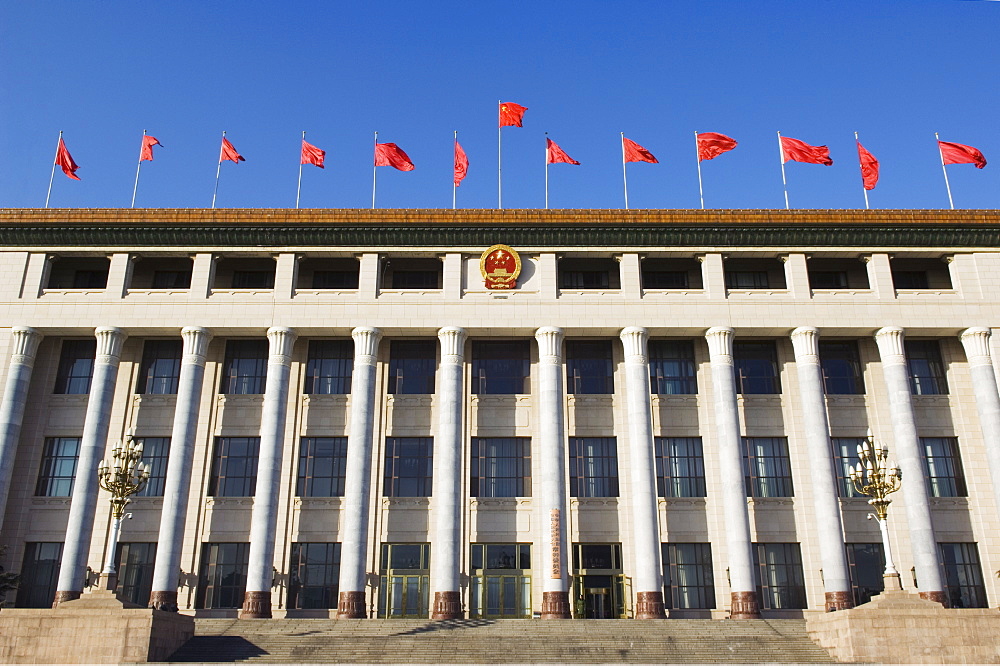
{"x": 956, "y": 153}
{"x": 389, "y": 154}
{"x": 312, "y": 155}
{"x": 800, "y": 151}
{"x": 713, "y": 144}
{"x": 869, "y": 167}
{"x": 65, "y": 161}
{"x": 146, "y": 153}
{"x": 556, "y": 155}
{"x": 511, "y": 114}
{"x": 229, "y": 153}
{"x": 461, "y": 164}
{"x": 636, "y": 153}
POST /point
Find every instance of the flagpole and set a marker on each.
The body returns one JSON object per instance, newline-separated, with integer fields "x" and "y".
{"x": 697, "y": 154}
{"x": 454, "y": 188}
{"x": 137, "y": 167}
{"x": 298, "y": 192}
{"x": 53, "y": 174}
{"x": 218, "y": 170}
{"x": 546, "y": 171}
{"x": 781, "y": 158}
{"x": 499, "y": 160}
{"x": 943, "y": 170}
{"x": 624, "y": 176}
{"x": 374, "y": 168}
{"x": 858, "y": 141}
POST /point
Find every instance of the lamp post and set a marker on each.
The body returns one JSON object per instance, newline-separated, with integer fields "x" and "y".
{"x": 123, "y": 477}
{"x": 877, "y": 479}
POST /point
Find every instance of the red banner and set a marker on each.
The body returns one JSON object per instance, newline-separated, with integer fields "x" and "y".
{"x": 713, "y": 144}
{"x": 65, "y": 161}
{"x": 800, "y": 151}
{"x": 956, "y": 153}
{"x": 556, "y": 155}
{"x": 312, "y": 155}
{"x": 146, "y": 153}
{"x": 228, "y": 152}
{"x": 633, "y": 152}
{"x": 389, "y": 154}
{"x": 461, "y": 164}
{"x": 511, "y": 114}
{"x": 869, "y": 167}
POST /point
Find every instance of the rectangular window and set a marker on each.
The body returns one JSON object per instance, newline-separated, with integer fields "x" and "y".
{"x": 963, "y": 575}
{"x": 155, "y": 453}
{"x": 780, "y": 582}
{"x": 943, "y": 466}
{"x": 756, "y": 368}
{"x": 845, "y": 454}
{"x": 593, "y": 467}
{"x": 923, "y": 363}
{"x": 841, "y": 368}
{"x": 58, "y": 468}
{"x": 910, "y": 280}
{"x": 408, "y": 466}
{"x": 411, "y": 366}
{"x": 135, "y": 571}
{"x": 244, "y": 371}
{"x": 253, "y": 279}
{"x": 767, "y": 467}
{"x": 746, "y": 280}
{"x": 591, "y": 273}
{"x": 828, "y": 279}
{"x": 160, "y": 369}
{"x": 234, "y": 467}
{"x": 680, "y": 467}
{"x": 404, "y": 590}
{"x": 500, "y": 367}
{"x": 222, "y": 580}
{"x": 866, "y": 563}
{"x": 314, "y": 575}
{"x": 589, "y": 370}
{"x": 39, "y": 574}
{"x": 322, "y": 467}
{"x": 76, "y": 367}
{"x": 500, "y": 580}
{"x": 671, "y": 367}
{"x": 665, "y": 280}
{"x": 688, "y": 576}
{"x": 171, "y": 280}
{"x": 329, "y": 368}
{"x": 501, "y": 467}
{"x": 346, "y": 279}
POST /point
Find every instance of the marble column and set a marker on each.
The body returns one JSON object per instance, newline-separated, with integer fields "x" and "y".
{"x": 354, "y": 528}
{"x": 905, "y": 447}
{"x": 264, "y": 520}
{"x": 647, "y": 581}
{"x": 742, "y": 584}
{"x": 550, "y": 490}
{"x": 828, "y": 522}
{"x": 447, "y": 501}
{"x": 97, "y": 422}
{"x": 24, "y": 346}
{"x": 976, "y": 341}
{"x": 177, "y": 485}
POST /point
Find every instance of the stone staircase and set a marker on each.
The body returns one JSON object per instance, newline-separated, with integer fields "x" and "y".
{"x": 501, "y": 641}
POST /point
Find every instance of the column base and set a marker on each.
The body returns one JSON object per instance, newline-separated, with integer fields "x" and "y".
{"x": 351, "y": 606}
{"x": 836, "y": 601}
{"x": 65, "y": 595}
{"x": 744, "y": 606}
{"x": 649, "y": 606}
{"x": 555, "y": 606}
{"x": 892, "y": 582}
{"x": 447, "y": 606}
{"x": 256, "y": 606}
{"x": 164, "y": 601}
{"x": 935, "y": 595}
{"x": 107, "y": 581}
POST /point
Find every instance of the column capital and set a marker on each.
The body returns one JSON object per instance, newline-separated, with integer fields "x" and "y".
{"x": 635, "y": 340}
{"x": 196, "y": 341}
{"x": 720, "y": 344}
{"x": 109, "y": 343}
{"x": 452, "y": 340}
{"x": 890, "y": 345}
{"x": 805, "y": 342}
{"x": 976, "y": 341}
{"x": 549, "y": 344}
{"x": 281, "y": 339}
{"x": 25, "y": 345}
{"x": 366, "y": 340}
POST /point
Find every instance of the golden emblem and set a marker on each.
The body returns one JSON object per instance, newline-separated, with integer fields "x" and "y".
{"x": 500, "y": 266}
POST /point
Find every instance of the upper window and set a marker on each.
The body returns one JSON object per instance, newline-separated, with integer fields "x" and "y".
{"x": 79, "y": 273}
{"x": 155, "y": 453}
{"x": 58, "y": 468}
{"x": 754, "y": 273}
{"x": 916, "y": 273}
{"x": 767, "y": 467}
{"x": 756, "y": 367}
{"x": 244, "y": 371}
{"x": 409, "y": 465}
{"x": 688, "y": 576}
{"x": 500, "y": 367}
{"x": 780, "y": 581}
{"x": 671, "y": 367}
{"x": 837, "y": 273}
{"x": 671, "y": 273}
{"x": 943, "y": 466}
{"x": 162, "y": 273}
{"x": 245, "y": 273}
{"x": 322, "y": 467}
{"x": 923, "y": 362}
{"x": 845, "y": 455}
{"x": 841, "y": 368}
{"x": 589, "y": 369}
{"x": 160, "y": 369}
{"x": 501, "y": 467}
{"x": 253, "y": 279}
{"x": 76, "y": 366}
{"x": 589, "y": 274}
{"x": 593, "y": 467}
{"x": 234, "y": 467}
{"x": 411, "y": 366}
{"x": 329, "y": 368}
{"x": 328, "y": 273}
{"x": 680, "y": 467}
{"x": 412, "y": 273}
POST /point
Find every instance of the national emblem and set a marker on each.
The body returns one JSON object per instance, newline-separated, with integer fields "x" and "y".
{"x": 500, "y": 266}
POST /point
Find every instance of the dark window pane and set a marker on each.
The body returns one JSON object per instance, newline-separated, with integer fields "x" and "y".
{"x": 329, "y": 368}
{"x": 866, "y": 562}
{"x": 665, "y": 280}
{"x": 943, "y": 466}
{"x": 671, "y": 367}
{"x": 680, "y": 467}
{"x": 135, "y": 571}
{"x": 828, "y": 279}
{"x": 244, "y": 371}
{"x": 841, "y": 368}
{"x": 222, "y": 579}
{"x": 589, "y": 370}
{"x": 253, "y": 279}
{"x": 756, "y": 368}
{"x": 234, "y": 467}
{"x": 593, "y": 467}
{"x": 39, "y": 574}
{"x": 501, "y": 467}
{"x": 155, "y": 453}
{"x": 767, "y": 467}
{"x": 408, "y": 466}
{"x": 335, "y": 280}
{"x": 76, "y": 367}
{"x": 160, "y": 369}
{"x": 500, "y": 367}
{"x": 412, "y": 364}
{"x": 923, "y": 362}
{"x": 58, "y": 468}
{"x": 171, "y": 279}
{"x": 687, "y": 575}
{"x": 90, "y": 279}
{"x": 314, "y": 574}
{"x": 910, "y": 279}
{"x": 746, "y": 280}
{"x": 322, "y": 467}
{"x": 780, "y": 581}
{"x": 415, "y": 279}
{"x": 845, "y": 455}
{"x": 963, "y": 575}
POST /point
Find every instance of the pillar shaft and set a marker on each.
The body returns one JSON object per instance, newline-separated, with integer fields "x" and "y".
{"x": 976, "y": 341}
{"x": 24, "y": 346}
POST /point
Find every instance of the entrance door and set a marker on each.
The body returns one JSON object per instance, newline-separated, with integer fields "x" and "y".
{"x": 406, "y": 596}
{"x": 597, "y": 603}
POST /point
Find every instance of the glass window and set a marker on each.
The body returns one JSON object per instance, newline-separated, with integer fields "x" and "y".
{"x": 329, "y": 368}
{"x": 780, "y": 582}
{"x": 589, "y": 370}
{"x": 404, "y": 590}
{"x": 234, "y": 467}
{"x": 746, "y": 280}
{"x": 923, "y": 362}
{"x": 222, "y": 582}
{"x": 345, "y": 279}
{"x": 845, "y": 455}
{"x": 665, "y": 280}
{"x": 910, "y": 280}
{"x": 408, "y": 466}
{"x": 39, "y": 574}
{"x": 500, "y": 367}
{"x": 589, "y": 273}
{"x": 90, "y": 279}
{"x": 135, "y": 571}
{"x": 600, "y": 556}
{"x": 688, "y": 576}
{"x": 593, "y": 467}
{"x": 767, "y": 467}
{"x": 756, "y": 368}
{"x": 963, "y": 575}
{"x": 244, "y": 371}
{"x": 322, "y": 467}
{"x": 866, "y": 563}
{"x": 160, "y": 369}
{"x": 155, "y": 453}
{"x": 415, "y": 279}
{"x": 253, "y": 279}
{"x": 828, "y": 279}
{"x": 500, "y": 580}
{"x": 171, "y": 279}
{"x": 841, "y": 368}
{"x": 76, "y": 367}
{"x": 671, "y": 367}
{"x": 411, "y": 366}
{"x": 680, "y": 467}
{"x": 943, "y": 466}
{"x": 58, "y": 468}
{"x": 314, "y": 575}
{"x": 501, "y": 467}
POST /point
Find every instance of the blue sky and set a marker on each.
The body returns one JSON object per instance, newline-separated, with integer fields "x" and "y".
{"x": 817, "y": 70}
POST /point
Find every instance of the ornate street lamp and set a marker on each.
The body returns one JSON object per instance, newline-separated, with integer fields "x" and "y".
{"x": 123, "y": 477}
{"x": 877, "y": 479}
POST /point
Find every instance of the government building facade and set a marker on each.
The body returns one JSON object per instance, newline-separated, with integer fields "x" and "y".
{"x": 500, "y": 413}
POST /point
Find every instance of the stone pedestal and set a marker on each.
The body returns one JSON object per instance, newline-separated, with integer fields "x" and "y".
{"x": 447, "y": 606}
{"x": 555, "y": 606}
